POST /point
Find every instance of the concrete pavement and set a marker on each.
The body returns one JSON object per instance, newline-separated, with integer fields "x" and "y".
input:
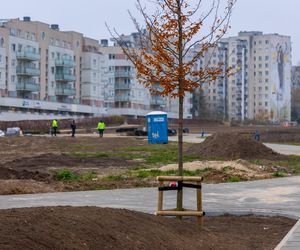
{"x": 275, "y": 196}
{"x": 280, "y": 195}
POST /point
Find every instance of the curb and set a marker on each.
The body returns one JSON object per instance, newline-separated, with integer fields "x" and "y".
{"x": 286, "y": 238}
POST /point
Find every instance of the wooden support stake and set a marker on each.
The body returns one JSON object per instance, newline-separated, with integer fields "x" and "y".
{"x": 180, "y": 178}
{"x": 179, "y": 213}
{"x": 199, "y": 204}
{"x": 160, "y": 197}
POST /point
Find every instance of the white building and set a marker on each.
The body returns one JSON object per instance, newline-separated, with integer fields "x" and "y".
{"x": 260, "y": 86}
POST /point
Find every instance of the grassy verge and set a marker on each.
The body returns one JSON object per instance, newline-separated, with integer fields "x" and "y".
{"x": 68, "y": 175}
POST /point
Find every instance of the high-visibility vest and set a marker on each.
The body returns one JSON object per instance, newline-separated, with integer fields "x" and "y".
{"x": 54, "y": 124}
{"x": 101, "y": 125}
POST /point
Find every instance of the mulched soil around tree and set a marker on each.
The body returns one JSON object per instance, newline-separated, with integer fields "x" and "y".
{"x": 233, "y": 146}
{"x": 105, "y": 228}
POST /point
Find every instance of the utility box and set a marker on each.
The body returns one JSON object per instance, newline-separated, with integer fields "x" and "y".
{"x": 157, "y": 126}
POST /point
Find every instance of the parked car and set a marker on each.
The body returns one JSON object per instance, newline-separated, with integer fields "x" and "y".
{"x": 172, "y": 132}
{"x": 16, "y": 131}
{"x": 2, "y": 133}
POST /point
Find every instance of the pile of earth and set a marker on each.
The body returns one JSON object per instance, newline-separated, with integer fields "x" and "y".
{"x": 232, "y": 146}
{"x": 105, "y": 228}
{"x": 8, "y": 173}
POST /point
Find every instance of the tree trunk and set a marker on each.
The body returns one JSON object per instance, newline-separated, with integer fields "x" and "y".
{"x": 181, "y": 98}
{"x": 180, "y": 161}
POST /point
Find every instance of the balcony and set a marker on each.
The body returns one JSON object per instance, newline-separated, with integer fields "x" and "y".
{"x": 28, "y": 56}
{"x": 122, "y": 86}
{"x": 64, "y": 77}
{"x": 123, "y": 74}
{"x": 122, "y": 98}
{"x": 28, "y": 86}
{"x": 157, "y": 101}
{"x": 65, "y": 91}
{"x": 67, "y": 63}
{"x": 28, "y": 71}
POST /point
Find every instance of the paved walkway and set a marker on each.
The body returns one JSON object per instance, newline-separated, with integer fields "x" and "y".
{"x": 276, "y": 196}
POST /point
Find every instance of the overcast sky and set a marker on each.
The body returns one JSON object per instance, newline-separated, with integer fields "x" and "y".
{"x": 89, "y": 16}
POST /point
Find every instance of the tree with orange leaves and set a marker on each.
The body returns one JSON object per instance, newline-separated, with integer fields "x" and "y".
{"x": 174, "y": 38}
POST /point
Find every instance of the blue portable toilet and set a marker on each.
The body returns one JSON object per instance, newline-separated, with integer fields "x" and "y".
{"x": 157, "y": 126}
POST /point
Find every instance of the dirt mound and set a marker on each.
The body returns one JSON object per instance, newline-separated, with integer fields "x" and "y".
{"x": 8, "y": 173}
{"x": 233, "y": 146}
{"x": 105, "y": 228}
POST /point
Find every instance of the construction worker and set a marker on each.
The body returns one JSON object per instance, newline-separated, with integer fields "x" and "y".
{"x": 101, "y": 127}
{"x": 54, "y": 127}
{"x": 73, "y": 127}
{"x": 257, "y": 135}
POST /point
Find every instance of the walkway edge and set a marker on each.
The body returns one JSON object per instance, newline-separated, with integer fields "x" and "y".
{"x": 289, "y": 234}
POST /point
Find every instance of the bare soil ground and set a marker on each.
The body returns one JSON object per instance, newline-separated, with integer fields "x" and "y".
{"x": 233, "y": 146}
{"x": 32, "y": 164}
{"x": 104, "y": 228}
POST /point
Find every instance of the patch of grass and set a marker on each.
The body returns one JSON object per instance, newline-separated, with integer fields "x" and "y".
{"x": 114, "y": 178}
{"x": 88, "y": 176}
{"x": 234, "y": 179}
{"x": 227, "y": 168}
{"x": 293, "y": 163}
{"x": 66, "y": 175}
{"x": 86, "y": 154}
{"x": 257, "y": 162}
{"x": 278, "y": 174}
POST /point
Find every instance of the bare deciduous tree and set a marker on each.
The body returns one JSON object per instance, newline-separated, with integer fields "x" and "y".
{"x": 173, "y": 39}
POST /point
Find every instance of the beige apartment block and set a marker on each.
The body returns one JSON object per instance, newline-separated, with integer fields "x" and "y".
{"x": 44, "y": 70}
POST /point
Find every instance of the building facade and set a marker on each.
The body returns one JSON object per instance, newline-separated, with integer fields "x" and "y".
{"x": 259, "y": 87}
{"x": 47, "y": 71}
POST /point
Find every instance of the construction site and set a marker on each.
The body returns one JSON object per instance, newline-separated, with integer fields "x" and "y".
{"x": 36, "y": 163}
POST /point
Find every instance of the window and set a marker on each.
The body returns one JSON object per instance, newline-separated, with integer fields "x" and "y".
{"x": 13, "y": 47}
{"x": 267, "y": 80}
{"x": 266, "y": 104}
{"x": 94, "y": 88}
{"x": 266, "y": 88}
{"x": 267, "y": 72}
{"x": 266, "y": 58}
{"x": 12, "y": 78}
{"x": 260, "y": 65}
{"x": 43, "y": 35}
{"x": 267, "y": 42}
{"x": 259, "y": 58}
{"x": 267, "y": 65}
{"x": 52, "y": 70}
{"x": 13, "y": 62}
{"x": 33, "y": 36}
{"x": 94, "y": 62}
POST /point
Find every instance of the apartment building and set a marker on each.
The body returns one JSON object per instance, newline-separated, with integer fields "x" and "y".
{"x": 260, "y": 84}
{"x": 296, "y": 93}
{"x": 47, "y": 71}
